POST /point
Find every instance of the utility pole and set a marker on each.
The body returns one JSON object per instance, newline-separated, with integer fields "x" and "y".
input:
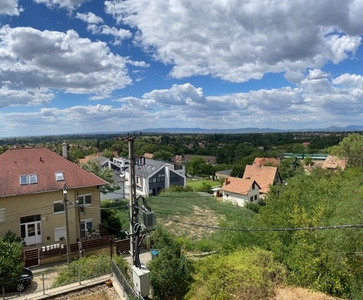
{"x": 132, "y": 197}
{"x": 65, "y": 204}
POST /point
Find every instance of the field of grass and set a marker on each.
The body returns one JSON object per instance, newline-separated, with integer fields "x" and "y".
{"x": 197, "y": 184}
{"x": 193, "y": 216}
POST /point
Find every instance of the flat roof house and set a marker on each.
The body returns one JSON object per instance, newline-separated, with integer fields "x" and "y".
{"x": 31, "y": 196}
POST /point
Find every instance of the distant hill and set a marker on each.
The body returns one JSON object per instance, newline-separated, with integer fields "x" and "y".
{"x": 250, "y": 130}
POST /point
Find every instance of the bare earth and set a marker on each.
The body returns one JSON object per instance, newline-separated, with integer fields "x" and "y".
{"x": 295, "y": 293}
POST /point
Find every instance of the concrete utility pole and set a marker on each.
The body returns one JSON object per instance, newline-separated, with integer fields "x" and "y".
{"x": 65, "y": 204}
{"x": 132, "y": 198}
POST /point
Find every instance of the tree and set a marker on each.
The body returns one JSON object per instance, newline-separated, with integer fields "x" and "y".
{"x": 163, "y": 155}
{"x": 197, "y": 166}
{"x": 94, "y": 167}
{"x": 10, "y": 260}
{"x": 350, "y": 148}
{"x": 170, "y": 270}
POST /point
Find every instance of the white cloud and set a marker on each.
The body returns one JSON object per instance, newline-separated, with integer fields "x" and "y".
{"x": 89, "y": 18}
{"x": 119, "y": 34}
{"x": 61, "y": 61}
{"x": 67, "y": 4}
{"x": 15, "y": 97}
{"x": 240, "y": 40}
{"x": 349, "y": 80}
{"x": 9, "y": 7}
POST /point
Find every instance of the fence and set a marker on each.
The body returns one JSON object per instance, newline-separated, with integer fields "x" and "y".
{"x": 54, "y": 277}
{"x": 129, "y": 292}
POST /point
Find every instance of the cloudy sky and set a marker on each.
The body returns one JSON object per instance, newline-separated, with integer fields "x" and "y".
{"x": 77, "y": 66}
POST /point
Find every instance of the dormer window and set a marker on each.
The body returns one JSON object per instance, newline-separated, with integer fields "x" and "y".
{"x": 59, "y": 176}
{"x": 28, "y": 179}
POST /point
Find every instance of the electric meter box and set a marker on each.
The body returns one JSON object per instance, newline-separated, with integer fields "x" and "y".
{"x": 141, "y": 278}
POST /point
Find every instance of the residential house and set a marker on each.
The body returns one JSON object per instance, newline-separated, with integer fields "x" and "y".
{"x": 240, "y": 191}
{"x": 263, "y": 161}
{"x": 334, "y": 163}
{"x": 34, "y": 184}
{"x": 154, "y": 176}
{"x": 265, "y": 176}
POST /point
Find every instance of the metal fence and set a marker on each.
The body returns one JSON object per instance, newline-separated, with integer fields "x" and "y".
{"x": 53, "y": 277}
{"x": 128, "y": 291}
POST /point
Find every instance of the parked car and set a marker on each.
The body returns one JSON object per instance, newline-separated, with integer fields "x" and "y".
{"x": 20, "y": 285}
{"x": 25, "y": 279}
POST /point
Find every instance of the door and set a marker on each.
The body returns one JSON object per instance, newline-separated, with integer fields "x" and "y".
{"x": 31, "y": 232}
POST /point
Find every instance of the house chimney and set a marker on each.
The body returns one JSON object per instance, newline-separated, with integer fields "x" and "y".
{"x": 226, "y": 180}
{"x": 64, "y": 149}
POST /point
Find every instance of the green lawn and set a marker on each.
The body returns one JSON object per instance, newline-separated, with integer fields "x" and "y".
{"x": 196, "y": 184}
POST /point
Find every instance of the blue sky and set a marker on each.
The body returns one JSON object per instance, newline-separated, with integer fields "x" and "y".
{"x": 79, "y": 66}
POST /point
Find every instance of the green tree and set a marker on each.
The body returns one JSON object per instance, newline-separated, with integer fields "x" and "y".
{"x": 197, "y": 166}
{"x": 350, "y": 148}
{"x": 170, "y": 270}
{"x": 94, "y": 167}
{"x": 10, "y": 261}
{"x": 163, "y": 155}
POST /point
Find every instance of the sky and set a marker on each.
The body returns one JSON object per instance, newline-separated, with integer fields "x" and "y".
{"x": 85, "y": 66}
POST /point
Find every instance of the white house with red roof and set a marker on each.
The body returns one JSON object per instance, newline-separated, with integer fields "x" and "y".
{"x": 240, "y": 191}
{"x": 32, "y": 184}
{"x": 265, "y": 176}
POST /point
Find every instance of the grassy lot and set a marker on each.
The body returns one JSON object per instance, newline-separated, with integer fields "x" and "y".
{"x": 192, "y": 216}
{"x": 197, "y": 184}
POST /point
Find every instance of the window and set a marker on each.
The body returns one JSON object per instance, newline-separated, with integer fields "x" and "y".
{"x": 33, "y": 178}
{"x": 59, "y": 176}
{"x": 24, "y": 179}
{"x": 251, "y": 198}
{"x": 2, "y": 214}
{"x": 84, "y": 200}
{"x": 255, "y": 197}
{"x": 86, "y": 226}
{"x": 58, "y": 207}
{"x": 28, "y": 179}
{"x": 59, "y": 233}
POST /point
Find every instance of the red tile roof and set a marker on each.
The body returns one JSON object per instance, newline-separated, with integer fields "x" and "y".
{"x": 333, "y": 162}
{"x": 262, "y": 161}
{"x": 44, "y": 163}
{"x": 238, "y": 185}
{"x": 264, "y": 176}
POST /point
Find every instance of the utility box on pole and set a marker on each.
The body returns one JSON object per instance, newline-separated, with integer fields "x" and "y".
{"x": 141, "y": 278}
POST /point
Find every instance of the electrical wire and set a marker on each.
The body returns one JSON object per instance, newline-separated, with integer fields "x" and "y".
{"x": 268, "y": 229}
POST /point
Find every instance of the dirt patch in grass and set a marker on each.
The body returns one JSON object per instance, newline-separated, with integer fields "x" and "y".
{"x": 99, "y": 292}
{"x": 296, "y": 293}
{"x": 200, "y": 216}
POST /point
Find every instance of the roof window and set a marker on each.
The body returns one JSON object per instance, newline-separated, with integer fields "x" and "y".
{"x": 59, "y": 176}
{"x": 28, "y": 179}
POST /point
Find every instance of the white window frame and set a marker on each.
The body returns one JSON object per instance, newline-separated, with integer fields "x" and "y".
{"x": 24, "y": 179}
{"x": 59, "y": 232}
{"x": 28, "y": 179}
{"x": 82, "y": 201}
{"x": 59, "y": 176}
{"x": 58, "y": 212}
{"x": 2, "y": 215}
{"x": 84, "y": 227}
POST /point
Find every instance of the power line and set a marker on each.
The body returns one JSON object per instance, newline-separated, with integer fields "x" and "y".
{"x": 268, "y": 229}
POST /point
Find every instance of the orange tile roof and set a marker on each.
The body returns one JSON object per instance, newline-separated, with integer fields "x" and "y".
{"x": 44, "y": 163}
{"x": 148, "y": 155}
{"x": 238, "y": 185}
{"x": 264, "y": 176}
{"x": 333, "y": 162}
{"x": 262, "y": 161}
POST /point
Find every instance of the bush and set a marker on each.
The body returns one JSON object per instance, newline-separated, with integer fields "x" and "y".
{"x": 244, "y": 275}
{"x": 88, "y": 267}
